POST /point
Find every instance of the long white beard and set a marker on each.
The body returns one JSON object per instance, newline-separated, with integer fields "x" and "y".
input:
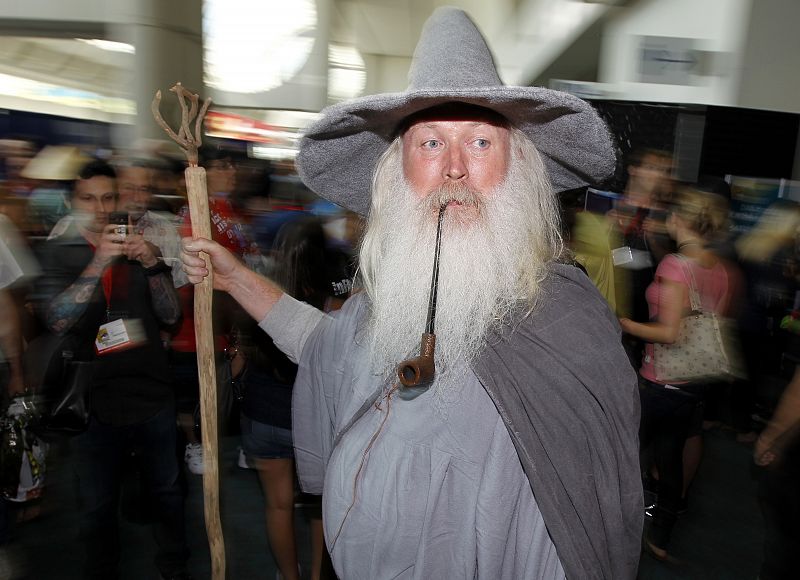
{"x": 480, "y": 277}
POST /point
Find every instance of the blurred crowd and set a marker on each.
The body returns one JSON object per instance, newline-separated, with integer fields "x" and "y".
{"x": 90, "y": 263}
{"x": 89, "y": 238}
{"x": 648, "y": 249}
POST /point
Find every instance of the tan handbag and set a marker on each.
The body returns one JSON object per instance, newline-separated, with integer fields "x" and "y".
{"x": 706, "y": 348}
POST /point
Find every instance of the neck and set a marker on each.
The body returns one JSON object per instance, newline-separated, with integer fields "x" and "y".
{"x": 692, "y": 244}
{"x": 90, "y": 236}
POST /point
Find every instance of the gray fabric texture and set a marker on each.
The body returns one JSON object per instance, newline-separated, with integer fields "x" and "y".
{"x": 452, "y": 63}
{"x": 438, "y": 496}
{"x": 567, "y": 392}
{"x": 560, "y": 383}
{"x": 289, "y": 322}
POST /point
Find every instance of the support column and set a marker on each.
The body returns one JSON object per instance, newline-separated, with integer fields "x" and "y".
{"x": 169, "y": 48}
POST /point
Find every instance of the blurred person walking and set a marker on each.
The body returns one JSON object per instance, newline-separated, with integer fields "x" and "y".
{"x": 309, "y": 271}
{"x": 229, "y": 229}
{"x": 12, "y": 381}
{"x": 770, "y": 260}
{"x": 777, "y": 452}
{"x": 671, "y": 412}
{"x": 104, "y": 284}
{"x": 639, "y": 222}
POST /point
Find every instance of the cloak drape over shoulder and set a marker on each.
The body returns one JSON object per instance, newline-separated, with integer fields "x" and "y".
{"x": 567, "y": 392}
{"x": 562, "y": 384}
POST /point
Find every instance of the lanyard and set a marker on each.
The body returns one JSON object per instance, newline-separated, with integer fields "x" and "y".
{"x": 108, "y": 283}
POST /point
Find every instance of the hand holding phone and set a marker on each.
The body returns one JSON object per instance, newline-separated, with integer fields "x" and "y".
{"x": 121, "y": 220}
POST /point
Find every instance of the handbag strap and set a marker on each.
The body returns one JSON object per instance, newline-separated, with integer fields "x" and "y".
{"x": 694, "y": 296}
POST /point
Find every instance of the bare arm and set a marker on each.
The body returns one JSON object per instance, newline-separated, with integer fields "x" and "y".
{"x": 256, "y": 294}
{"x": 786, "y": 416}
{"x": 67, "y": 307}
{"x": 163, "y": 296}
{"x": 11, "y": 341}
{"x": 665, "y": 329}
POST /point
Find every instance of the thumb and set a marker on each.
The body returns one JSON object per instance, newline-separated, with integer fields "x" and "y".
{"x": 196, "y": 244}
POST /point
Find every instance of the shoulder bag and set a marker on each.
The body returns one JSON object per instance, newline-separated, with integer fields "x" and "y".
{"x": 706, "y": 348}
{"x": 62, "y": 378}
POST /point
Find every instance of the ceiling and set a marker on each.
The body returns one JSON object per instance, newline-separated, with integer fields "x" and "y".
{"x": 383, "y": 28}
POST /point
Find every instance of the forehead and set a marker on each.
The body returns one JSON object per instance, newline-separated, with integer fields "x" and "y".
{"x": 456, "y": 116}
{"x": 456, "y": 125}
{"x": 134, "y": 173}
{"x": 220, "y": 163}
{"x": 97, "y": 185}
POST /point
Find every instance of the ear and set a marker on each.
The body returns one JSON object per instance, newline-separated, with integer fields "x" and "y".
{"x": 67, "y": 200}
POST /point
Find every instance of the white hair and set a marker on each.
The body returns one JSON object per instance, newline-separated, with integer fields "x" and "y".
{"x": 488, "y": 267}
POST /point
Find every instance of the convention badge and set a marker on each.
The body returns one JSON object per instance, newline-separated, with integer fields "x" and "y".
{"x": 631, "y": 259}
{"x": 119, "y": 334}
{"x": 622, "y": 256}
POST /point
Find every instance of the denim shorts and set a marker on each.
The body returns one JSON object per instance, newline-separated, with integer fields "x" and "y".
{"x": 262, "y": 441}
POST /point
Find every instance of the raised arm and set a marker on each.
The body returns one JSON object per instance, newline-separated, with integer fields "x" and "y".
{"x": 67, "y": 307}
{"x": 163, "y": 297}
{"x": 256, "y": 294}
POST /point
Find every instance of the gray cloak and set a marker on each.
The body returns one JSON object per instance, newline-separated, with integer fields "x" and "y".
{"x": 562, "y": 384}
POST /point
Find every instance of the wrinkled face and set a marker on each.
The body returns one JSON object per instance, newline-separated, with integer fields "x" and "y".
{"x": 473, "y": 152}
{"x": 135, "y": 190}
{"x": 93, "y": 200}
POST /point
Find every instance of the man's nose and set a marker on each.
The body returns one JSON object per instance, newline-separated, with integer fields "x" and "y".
{"x": 106, "y": 206}
{"x": 455, "y": 168}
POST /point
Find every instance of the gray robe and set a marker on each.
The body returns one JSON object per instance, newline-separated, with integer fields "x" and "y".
{"x": 410, "y": 493}
{"x": 568, "y": 395}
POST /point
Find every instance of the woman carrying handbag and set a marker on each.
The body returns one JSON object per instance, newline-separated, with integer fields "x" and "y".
{"x": 671, "y": 408}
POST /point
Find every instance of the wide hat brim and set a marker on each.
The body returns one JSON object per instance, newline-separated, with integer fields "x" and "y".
{"x": 338, "y": 154}
{"x": 56, "y": 163}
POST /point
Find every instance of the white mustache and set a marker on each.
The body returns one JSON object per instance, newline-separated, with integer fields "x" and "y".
{"x": 453, "y": 192}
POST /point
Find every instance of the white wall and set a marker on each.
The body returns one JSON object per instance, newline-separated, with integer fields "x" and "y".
{"x": 717, "y": 26}
{"x": 167, "y": 35}
{"x": 771, "y": 64}
{"x": 537, "y": 33}
{"x": 70, "y": 10}
{"x": 386, "y": 74}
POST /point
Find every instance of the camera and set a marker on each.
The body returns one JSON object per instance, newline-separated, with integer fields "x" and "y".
{"x": 119, "y": 219}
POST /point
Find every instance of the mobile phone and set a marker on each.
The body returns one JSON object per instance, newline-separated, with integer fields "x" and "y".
{"x": 119, "y": 219}
{"x": 600, "y": 202}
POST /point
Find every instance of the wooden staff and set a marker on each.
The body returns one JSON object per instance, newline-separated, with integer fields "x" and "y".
{"x": 204, "y": 334}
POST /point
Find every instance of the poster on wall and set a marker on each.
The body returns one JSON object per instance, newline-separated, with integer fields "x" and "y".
{"x": 790, "y": 190}
{"x": 750, "y": 196}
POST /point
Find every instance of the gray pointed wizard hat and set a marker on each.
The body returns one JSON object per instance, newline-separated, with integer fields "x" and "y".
{"x": 452, "y": 63}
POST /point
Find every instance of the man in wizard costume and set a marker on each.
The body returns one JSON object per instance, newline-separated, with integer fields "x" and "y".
{"x": 518, "y": 456}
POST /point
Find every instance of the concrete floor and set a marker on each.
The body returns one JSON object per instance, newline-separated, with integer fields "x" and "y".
{"x": 719, "y": 538}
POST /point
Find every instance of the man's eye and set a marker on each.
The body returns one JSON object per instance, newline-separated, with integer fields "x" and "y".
{"x": 481, "y": 143}
{"x": 430, "y": 144}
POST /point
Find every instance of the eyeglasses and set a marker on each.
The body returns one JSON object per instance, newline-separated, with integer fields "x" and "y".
{"x": 135, "y": 189}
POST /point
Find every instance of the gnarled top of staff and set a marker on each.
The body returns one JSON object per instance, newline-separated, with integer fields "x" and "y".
{"x": 187, "y": 141}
